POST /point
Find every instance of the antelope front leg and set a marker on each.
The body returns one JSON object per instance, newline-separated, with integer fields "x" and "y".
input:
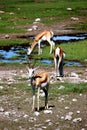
{"x": 38, "y": 95}
{"x": 56, "y": 70}
{"x": 46, "y": 96}
{"x": 39, "y": 48}
{"x": 52, "y": 46}
{"x": 33, "y": 103}
{"x": 33, "y": 91}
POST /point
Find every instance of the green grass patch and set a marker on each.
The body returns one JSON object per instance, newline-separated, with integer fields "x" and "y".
{"x": 25, "y": 12}
{"x": 68, "y": 88}
{"x": 76, "y": 51}
{"x": 13, "y": 42}
{"x": 53, "y": 88}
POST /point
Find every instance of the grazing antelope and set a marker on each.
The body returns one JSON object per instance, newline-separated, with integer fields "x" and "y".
{"x": 43, "y": 36}
{"x": 39, "y": 80}
{"x": 59, "y": 56}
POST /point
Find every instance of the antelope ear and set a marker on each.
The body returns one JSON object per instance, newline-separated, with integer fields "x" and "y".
{"x": 36, "y": 68}
{"x": 27, "y": 67}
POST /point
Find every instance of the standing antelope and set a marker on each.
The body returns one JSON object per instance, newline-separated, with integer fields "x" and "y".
{"x": 59, "y": 56}
{"x": 39, "y": 80}
{"x": 43, "y": 36}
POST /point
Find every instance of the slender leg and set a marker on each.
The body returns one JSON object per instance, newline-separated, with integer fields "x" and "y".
{"x": 61, "y": 67}
{"x": 52, "y": 46}
{"x": 33, "y": 102}
{"x": 39, "y": 50}
{"x": 33, "y": 91}
{"x": 38, "y": 95}
{"x": 55, "y": 62}
{"x": 46, "y": 96}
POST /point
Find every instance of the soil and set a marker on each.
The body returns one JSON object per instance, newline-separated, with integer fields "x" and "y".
{"x": 66, "y": 111}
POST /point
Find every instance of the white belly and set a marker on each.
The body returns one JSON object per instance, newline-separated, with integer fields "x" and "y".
{"x": 44, "y": 84}
{"x": 44, "y": 38}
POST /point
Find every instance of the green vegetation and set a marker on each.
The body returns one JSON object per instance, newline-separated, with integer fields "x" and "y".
{"x": 74, "y": 51}
{"x": 15, "y": 16}
{"x": 54, "y": 88}
{"x": 13, "y": 42}
{"x": 19, "y": 12}
{"x": 68, "y": 88}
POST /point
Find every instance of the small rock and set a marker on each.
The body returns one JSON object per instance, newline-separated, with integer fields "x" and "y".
{"x": 68, "y": 117}
{"x": 48, "y": 120}
{"x": 78, "y": 112}
{"x": 25, "y": 116}
{"x": 2, "y": 12}
{"x": 7, "y": 113}
{"x": 1, "y": 109}
{"x": 66, "y": 108}
{"x": 74, "y": 74}
{"x": 30, "y": 29}
{"x": 1, "y": 87}
{"x": 37, "y": 19}
{"x": 74, "y": 19}
{"x": 77, "y": 120}
{"x": 44, "y": 127}
{"x": 74, "y": 100}
{"x": 80, "y": 94}
{"x": 61, "y": 87}
{"x": 34, "y": 27}
{"x": 57, "y": 129}
{"x": 70, "y": 113}
{"x": 83, "y": 129}
{"x": 50, "y": 123}
{"x": 69, "y": 9}
{"x": 11, "y": 13}
{"x": 36, "y": 113}
{"x": 15, "y": 120}
{"x": 48, "y": 111}
{"x": 61, "y": 99}
{"x": 62, "y": 117}
{"x": 18, "y": 8}
{"x": 6, "y": 36}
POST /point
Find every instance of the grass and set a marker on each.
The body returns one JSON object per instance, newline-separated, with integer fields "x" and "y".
{"x": 74, "y": 51}
{"x": 53, "y": 89}
{"x": 13, "y": 42}
{"x": 69, "y": 88}
{"x": 25, "y": 12}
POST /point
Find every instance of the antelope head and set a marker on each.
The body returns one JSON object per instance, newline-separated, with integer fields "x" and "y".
{"x": 31, "y": 71}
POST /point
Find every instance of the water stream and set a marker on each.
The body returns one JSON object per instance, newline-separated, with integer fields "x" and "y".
{"x": 18, "y": 54}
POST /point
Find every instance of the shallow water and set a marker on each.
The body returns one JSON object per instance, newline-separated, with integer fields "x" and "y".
{"x": 70, "y": 37}
{"x": 68, "y": 63}
{"x": 18, "y": 54}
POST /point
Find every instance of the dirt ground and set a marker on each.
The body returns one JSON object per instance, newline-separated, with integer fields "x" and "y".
{"x": 66, "y": 112}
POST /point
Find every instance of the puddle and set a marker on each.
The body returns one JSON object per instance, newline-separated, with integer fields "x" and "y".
{"x": 73, "y": 63}
{"x": 68, "y": 63}
{"x": 18, "y": 54}
{"x": 70, "y": 37}
{"x": 14, "y": 54}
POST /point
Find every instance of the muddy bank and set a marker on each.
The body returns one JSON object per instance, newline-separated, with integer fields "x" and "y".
{"x": 71, "y": 74}
{"x": 61, "y": 28}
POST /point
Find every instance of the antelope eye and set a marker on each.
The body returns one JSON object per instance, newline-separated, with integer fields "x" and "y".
{"x": 32, "y": 72}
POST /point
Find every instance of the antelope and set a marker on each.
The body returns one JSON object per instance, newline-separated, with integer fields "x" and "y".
{"x": 39, "y": 80}
{"x": 59, "y": 56}
{"x": 43, "y": 36}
